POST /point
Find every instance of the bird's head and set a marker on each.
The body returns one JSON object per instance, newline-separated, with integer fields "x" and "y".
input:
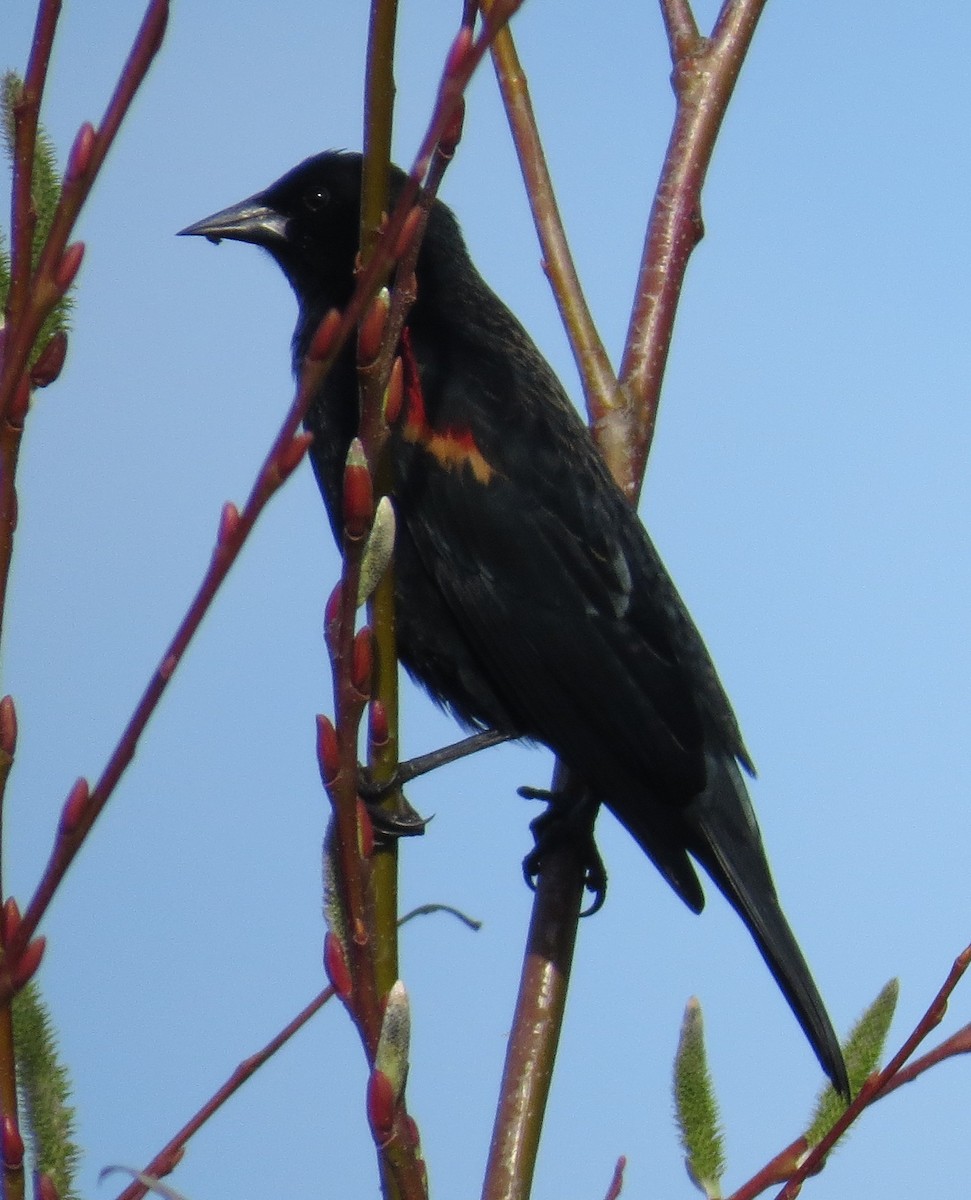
{"x": 308, "y": 220}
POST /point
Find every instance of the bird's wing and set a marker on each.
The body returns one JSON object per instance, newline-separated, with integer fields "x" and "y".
{"x": 543, "y": 610}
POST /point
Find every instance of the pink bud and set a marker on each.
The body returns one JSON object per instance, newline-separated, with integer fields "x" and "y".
{"x": 362, "y": 661}
{"x": 380, "y": 1107}
{"x": 452, "y": 133}
{"x": 371, "y": 329}
{"x": 378, "y": 723}
{"x": 412, "y": 1136}
{"x": 69, "y": 266}
{"x": 74, "y": 806}
{"x": 44, "y": 1188}
{"x": 228, "y": 524}
{"x": 10, "y": 920}
{"x": 26, "y": 966}
{"x": 8, "y": 726}
{"x": 291, "y": 455}
{"x": 11, "y": 1143}
{"x": 19, "y": 403}
{"x": 328, "y": 751}
{"x": 325, "y": 337}
{"x": 50, "y": 362}
{"x": 358, "y": 493}
{"x": 335, "y": 964}
{"x": 80, "y": 157}
{"x": 332, "y": 618}
{"x": 167, "y": 667}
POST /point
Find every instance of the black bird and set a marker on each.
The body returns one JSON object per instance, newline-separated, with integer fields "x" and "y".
{"x": 530, "y": 599}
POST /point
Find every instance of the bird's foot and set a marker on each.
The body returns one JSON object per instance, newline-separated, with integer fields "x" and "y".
{"x": 392, "y": 817}
{"x": 567, "y": 821}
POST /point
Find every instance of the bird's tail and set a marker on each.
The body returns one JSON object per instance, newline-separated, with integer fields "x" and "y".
{"x": 725, "y": 839}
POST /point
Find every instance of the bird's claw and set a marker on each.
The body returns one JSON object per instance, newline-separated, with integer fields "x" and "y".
{"x": 565, "y": 822}
{"x": 390, "y": 821}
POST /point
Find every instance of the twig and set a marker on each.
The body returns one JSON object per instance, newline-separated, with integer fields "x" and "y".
{"x": 792, "y": 1164}
{"x": 781, "y": 1166}
{"x": 169, "y": 1157}
{"x": 957, "y": 1043}
{"x": 705, "y": 73}
{"x": 617, "y": 1182}
{"x": 33, "y": 295}
{"x": 382, "y": 759}
{"x": 593, "y": 363}
{"x": 680, "y": 26}
{"x": 46, "y": 286}
{"x": 26, "y": 116}
{"x": 879, "y": 1081}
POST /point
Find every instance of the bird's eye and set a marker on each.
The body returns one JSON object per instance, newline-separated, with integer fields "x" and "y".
{"x": 316, "y": 199}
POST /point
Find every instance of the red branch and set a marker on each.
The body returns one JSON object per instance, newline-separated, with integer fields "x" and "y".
{"x": 169, "y": 1157}
{"x": 877, "y": 1084}
{"x": 26, "y": 113}
{"x": 45, "y": 289}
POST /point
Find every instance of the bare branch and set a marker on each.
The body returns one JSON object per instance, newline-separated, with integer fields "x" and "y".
{"x": 593, "y": 363}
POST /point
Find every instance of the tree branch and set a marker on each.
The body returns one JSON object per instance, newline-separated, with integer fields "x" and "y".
{"x": 705, "y": 73}
{"x": 623, "y": 429}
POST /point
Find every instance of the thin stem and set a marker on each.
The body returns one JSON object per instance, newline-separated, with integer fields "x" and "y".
{"x": 782, "y": 1166}
{"x": 593, "y": 363}
{"x": 617, "y": 1181}
{"x": 11, "y": 435}
{"x": 879, "y": 1081}
{"x": 705, "y": 74}
{"x": 957, "y": 1043}
{"x": 379, "y": 96}
{"x": 378, "y": 124}
{"x": 44, "y": 290}
{"x": 169, "y": 1157}
{"x": 70, "y": 839}
{"x": 680, "y": 26}
{"x": 26, "y": 116}
{"x": 353, "y": 867}
{"x": 383, "y": 759}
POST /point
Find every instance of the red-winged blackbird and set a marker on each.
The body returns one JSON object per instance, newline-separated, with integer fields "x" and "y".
{"x": 529, "y": 597}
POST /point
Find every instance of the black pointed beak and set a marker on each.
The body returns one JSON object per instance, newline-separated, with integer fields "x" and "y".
{"x": 250, "y": 221}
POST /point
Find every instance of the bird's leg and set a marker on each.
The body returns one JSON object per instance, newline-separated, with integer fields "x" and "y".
{"x": 402, "y": 820}
{"x": 569, "y": 819}
{"x": 370, "y": 790}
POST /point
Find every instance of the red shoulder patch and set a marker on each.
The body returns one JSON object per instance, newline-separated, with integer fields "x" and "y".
{"x": 451, "y": 447}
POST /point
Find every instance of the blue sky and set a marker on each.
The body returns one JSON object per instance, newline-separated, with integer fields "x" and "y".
{"x": 808, "y": 489}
